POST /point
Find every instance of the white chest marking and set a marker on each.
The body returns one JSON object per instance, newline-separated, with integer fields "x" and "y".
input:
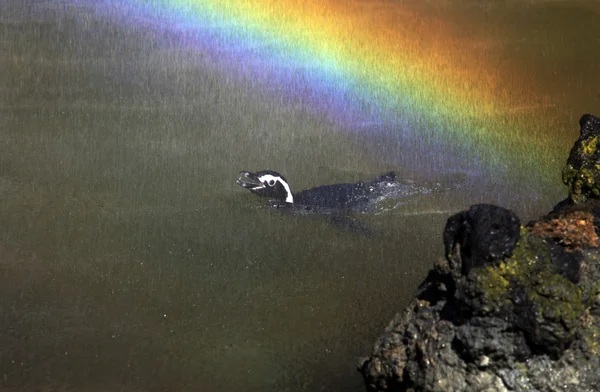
{"x": 268, "y": 178}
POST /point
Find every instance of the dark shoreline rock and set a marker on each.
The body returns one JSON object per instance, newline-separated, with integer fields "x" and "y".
{"x": 511, "y": 308}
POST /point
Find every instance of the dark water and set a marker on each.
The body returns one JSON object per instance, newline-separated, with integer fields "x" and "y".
{"x": 130, "y": 260}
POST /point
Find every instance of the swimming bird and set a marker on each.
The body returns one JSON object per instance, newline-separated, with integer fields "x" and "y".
{"x": 349, "y": 196}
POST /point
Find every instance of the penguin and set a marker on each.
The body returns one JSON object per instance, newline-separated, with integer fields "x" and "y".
{"x": 348, "y": 196}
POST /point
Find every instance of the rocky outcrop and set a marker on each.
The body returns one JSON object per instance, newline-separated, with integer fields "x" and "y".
{"x": 582, "y": 173}
{"x": 511, "y": 307}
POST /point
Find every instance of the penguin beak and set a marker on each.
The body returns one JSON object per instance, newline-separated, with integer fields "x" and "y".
{"x": 249, "y": 181}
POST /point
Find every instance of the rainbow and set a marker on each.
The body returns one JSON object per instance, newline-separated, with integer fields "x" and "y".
{"x": 364, "y": 62}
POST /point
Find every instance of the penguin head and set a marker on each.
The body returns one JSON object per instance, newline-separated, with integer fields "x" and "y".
{"x": 267, "y": 183}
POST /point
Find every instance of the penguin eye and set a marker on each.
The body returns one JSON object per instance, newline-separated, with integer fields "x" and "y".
{"x": 271, "y": 182}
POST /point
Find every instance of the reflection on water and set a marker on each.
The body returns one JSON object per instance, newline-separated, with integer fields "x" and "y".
{"x": 129, "y": 258}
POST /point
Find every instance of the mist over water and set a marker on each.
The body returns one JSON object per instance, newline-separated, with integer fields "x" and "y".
{"x": 130, "y": 259}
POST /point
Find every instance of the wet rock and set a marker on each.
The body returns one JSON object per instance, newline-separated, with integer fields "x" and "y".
{"x": 581, "y": 174}
{"x": 487, "y": 340}
{"x": 486, "y": 233}
{"x": 510, "y": 308}
{"x": 525, "y": 315}
{"x": 574, "y": 230}
{"x": 528, "y": 321}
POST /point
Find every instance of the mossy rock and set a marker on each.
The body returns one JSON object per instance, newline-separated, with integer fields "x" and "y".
{"x": 530, "y": 290}
{"x": 582, "y": 172}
